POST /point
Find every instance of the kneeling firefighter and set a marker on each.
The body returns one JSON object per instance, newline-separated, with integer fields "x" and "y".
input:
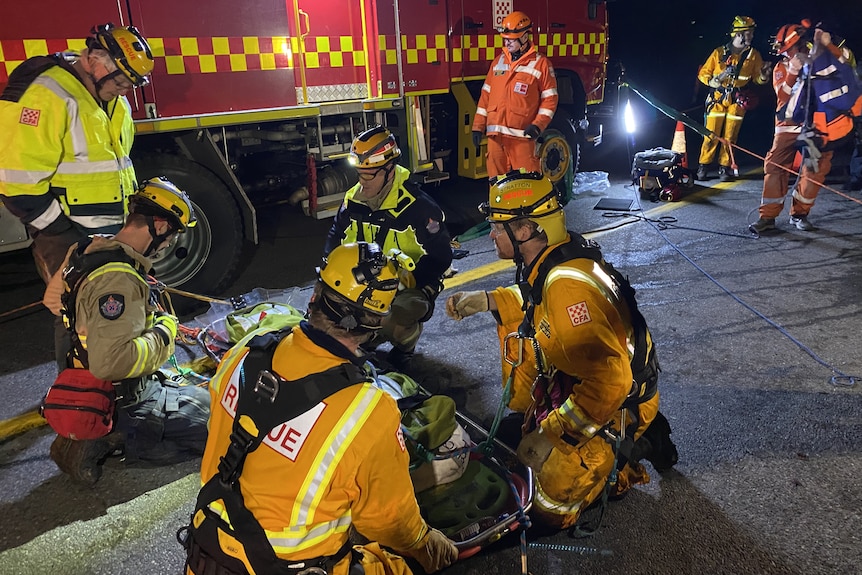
{"x": 120, "y": 338}
{"x": 576, "y": 351}
{"x": 333, "y": 456}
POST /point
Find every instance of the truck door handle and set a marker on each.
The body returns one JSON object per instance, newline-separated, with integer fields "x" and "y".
{"x": 474, "y": 25}
{"x": 557, "y": 25}
{"x": 304, "y": 15}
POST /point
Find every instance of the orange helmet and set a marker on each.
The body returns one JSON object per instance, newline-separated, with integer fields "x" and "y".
{"x": 515, "y": 24}
{"x": 789, "y": 35}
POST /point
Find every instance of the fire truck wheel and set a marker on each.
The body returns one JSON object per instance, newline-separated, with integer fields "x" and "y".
{"x": 199, "y": 262}
{"x": 558, "y": 162}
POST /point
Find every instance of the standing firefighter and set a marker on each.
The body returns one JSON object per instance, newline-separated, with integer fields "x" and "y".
{"x": 728, "y": 69}
{"x": 818, "y": 97}
{"x": 518, "y": 100}
{"x": 388, "y": 209}
{"x": 303, "y": 448}
{"x": 120, "y": 337}
{"x": 67, "y": 132}
{"x": 587, "y": 382}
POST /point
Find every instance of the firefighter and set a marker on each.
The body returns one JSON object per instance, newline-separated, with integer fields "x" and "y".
{"x": 67, "y": 132}
{"x": 386, "y": 208}
{"x": 593, "y": 375}
{"x": 119, "y": 335}
{"x": 728, "y": 69}
{"x": 815, "y": 119}
{"x": 518, "y": 100}
{"x": 337, "y": 462}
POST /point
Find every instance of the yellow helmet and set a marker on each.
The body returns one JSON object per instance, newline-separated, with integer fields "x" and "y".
{"x": 531, "y": 195}
{"x": 363, "y": 276}
{"x": 159, "y": 197}
{"x": 374, "y": 148}
{"x": 515, "y": 24}
{"x": 127, "y": 48}
{"x": 741, "y": 24}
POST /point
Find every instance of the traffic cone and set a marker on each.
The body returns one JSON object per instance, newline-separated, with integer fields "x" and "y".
{"x": 678, "y": 145}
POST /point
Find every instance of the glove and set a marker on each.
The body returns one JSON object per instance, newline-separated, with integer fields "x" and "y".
{"x": 794, "y": 66}
{"x": 165, "y": 325}
{"x": 477, "y": 138}
{"x": 824, "y": 37}
{"x": 435, "y": 551}
{"x": 466, "y": 303}
{"x": 532, "y": 131}
{"x": 534, "y": 449}
{"x": 715, "y": 82}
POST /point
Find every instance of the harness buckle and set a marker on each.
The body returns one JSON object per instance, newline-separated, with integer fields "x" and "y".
{"x": 313, "y": 571}
{"x": 266, "y": 385}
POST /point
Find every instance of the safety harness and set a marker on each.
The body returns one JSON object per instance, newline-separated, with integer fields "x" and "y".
{"x": 266, "y": 400}
{"x": 80, "y": 266}
{"x": 24, "y": 75}
{"x": 644, "y": 362}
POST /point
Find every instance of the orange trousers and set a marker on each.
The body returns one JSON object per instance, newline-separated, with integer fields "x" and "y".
{"x": 507, "y": 153}
{"x": 776, "y": 180}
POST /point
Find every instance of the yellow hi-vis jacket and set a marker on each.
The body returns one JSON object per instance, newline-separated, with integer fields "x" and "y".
{"x": 342, "y": 463}
{"x": 114, "y": 316}
{"x": 64, "y": 157}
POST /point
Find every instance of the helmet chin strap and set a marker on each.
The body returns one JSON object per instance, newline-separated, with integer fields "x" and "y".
{"x": 521, "y": 51}
{"x": 158, "y": 239}
{"x": 520, "y": 267}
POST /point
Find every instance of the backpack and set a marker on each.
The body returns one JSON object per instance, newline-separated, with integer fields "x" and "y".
{"x": 79, "y": 405}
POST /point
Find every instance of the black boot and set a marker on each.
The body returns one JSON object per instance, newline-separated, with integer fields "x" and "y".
{"x": 656, "y": 446}
{"x": 400, "y": 359}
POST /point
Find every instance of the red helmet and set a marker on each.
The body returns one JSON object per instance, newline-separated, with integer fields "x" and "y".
{"x": 789, "y": 35}
{"x": 515, "y": 24}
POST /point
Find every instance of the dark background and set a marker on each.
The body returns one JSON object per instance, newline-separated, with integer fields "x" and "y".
{"x": 663, "y": 43}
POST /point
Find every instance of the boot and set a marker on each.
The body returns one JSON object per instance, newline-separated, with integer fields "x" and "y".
{"x": 702, "y": 172}
{"x": 81, "y": 460}
{"x": 656, "y": 446}
{"x": 725, "y": 174}
{"x": 801, "y": 223}
{"x": 762, "y": 225}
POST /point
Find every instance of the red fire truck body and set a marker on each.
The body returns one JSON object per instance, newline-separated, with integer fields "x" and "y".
{"x": 263, "y": 97}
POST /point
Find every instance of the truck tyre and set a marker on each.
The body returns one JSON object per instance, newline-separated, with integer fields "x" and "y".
{"x": 214, "y": 244}
{"x": 559, "y": 160}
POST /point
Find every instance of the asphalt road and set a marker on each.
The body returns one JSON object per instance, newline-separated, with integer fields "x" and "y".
{"x": 749, "y": 332}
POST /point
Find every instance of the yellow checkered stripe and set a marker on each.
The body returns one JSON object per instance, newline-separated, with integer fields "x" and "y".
{"x": 189, "y": 55}
{"x": 486, "y": 47}
{"x": 421, "y": 49}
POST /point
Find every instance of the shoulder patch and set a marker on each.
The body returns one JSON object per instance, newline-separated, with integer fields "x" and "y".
{"x": 579, "y": 313}
{"x": 30, "y": 117}
{"x": 112, "y": 306}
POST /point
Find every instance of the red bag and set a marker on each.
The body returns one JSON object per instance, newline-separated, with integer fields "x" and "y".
{"x": 79, "y": 406}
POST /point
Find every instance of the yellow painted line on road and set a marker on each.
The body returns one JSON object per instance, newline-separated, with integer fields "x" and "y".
{"x": 19, "y": 424}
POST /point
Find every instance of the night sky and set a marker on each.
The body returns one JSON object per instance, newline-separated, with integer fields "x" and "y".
{"x": 662, "y": 44}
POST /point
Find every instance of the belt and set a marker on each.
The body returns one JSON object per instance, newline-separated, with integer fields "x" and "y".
{"x": 199, "y": 562}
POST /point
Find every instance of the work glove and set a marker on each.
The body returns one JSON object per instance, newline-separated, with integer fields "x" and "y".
{"x": 532, "y": 131}
{"x": 466, "y": 303}
{"x": 435, "y": 551}
{"x": 534, "y": 449}
{"x": 477, "y": 138}
{"x": 165, "y": 325}
{"x": 794, "y": 66}
{"x": 715, "y": 82}
{"x": 824, "y": 37}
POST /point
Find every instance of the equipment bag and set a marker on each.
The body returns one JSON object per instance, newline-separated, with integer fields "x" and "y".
{"x": 657, "y": 169}
{"x": 79, "y": 405}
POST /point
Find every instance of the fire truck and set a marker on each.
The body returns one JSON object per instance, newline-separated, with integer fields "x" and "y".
{"x": 262, "y": 98}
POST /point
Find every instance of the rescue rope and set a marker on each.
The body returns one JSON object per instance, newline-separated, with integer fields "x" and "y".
{"x": 20, "y": 309}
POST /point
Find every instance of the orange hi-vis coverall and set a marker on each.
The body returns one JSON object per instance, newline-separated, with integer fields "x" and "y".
{"x": 343, "y": 463}
{"x": 723, "y": 113}
{"x": 583, "y": 332}
{"x": 515, "y": 95}
{"x": 779, "y": 158}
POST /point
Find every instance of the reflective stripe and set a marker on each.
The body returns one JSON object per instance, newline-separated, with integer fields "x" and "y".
{"x": 142, "y": 354}
{"x": 486, "y": 87}
{"x": 547, "y": 93}
{"x": 76, "y": 127}
{"x": 85, "y": 167}
{"x": 550, "y": 504}
{"x": 481, "y": 112}
{"x": 836, "y": 93}
{"x": 802, "y": 199}
{"x": 530, "y": 69}
{"x": 788, "y": 129}
{"x": 546, "y": 112}
{"x": 23, "y": 176}
{"x": 765, "y": 201}
{"x": 48, "y": 217}
{"x": 505, "y": 130}
{"x": 585, "y": 426}
{"x": 297, "y": 536}
{"x": 95, "y": 222}
{"x": 734, "y": 117}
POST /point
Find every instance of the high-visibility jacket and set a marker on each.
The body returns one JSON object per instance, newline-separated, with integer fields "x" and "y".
{"x": 63, "y": 156}
{"x": 407, "y": 219}
{"x": 517, "y": 94}
{"x": 114, "y": 314}
{"x": 344, "y": 462}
